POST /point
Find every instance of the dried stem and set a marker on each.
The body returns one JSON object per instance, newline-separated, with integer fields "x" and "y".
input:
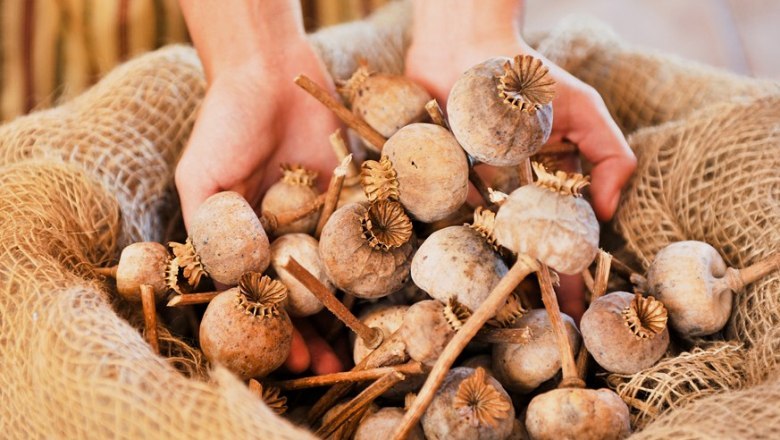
{"x": 350, "y": 119}
{"x": 622, "y": 269}
{"x": 341, "y": 151}
{"x": 391, "y": 352}
{"x": 492, "y": 335}
{"x": 360, "y": 402}
{"x": 480, "y": 185}
{"x": 569, "y": 367}
{"x": 525, "y": 172}
{"x": 436, "y": 114}
{"x": 603, "y": 265}
{"x": 559, "y": 148}
{"x": 150, "y": 317}
{"x": 272, "y": 222}
{"x": 333, "y": 193}
{"x": 497, "y": 298}
{"x": 106, "y": 271}
{"x": 410, "y": 368}
{"x": 348, "y": 300}
{"x": 587, "y": 278}
{"x": 188, "y": 299}
{"x": 371, "y": 336}
{"x": 736, "y": 279}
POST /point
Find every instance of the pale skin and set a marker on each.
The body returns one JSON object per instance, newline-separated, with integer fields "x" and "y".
{"x": 253, "y": 117}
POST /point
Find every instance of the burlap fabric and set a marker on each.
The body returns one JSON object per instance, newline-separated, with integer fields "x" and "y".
{"x": 80, "y": 181}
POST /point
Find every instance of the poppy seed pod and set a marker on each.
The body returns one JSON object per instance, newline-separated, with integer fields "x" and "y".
{"x": 295, "y": 189}
{"x": 305, "y": 249}
{"x": 146, "y": 263}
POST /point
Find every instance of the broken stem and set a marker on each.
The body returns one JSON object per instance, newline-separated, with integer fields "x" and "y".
{"x": 333, "y": 193}
{"x": 188, "y": 299}
{"x": 355, "y": 376}
{"x": 603, "y": 265}
{"x": 436, "y": 114}
{"x": 150, "y": 317}
{"x": 569, "y": 367}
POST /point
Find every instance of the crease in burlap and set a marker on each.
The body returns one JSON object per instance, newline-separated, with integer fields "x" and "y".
{"x": 708, "y": 149}
{"x": 80, "y": 181}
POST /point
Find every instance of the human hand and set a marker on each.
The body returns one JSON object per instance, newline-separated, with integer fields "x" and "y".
{"x": 254, "y": 117}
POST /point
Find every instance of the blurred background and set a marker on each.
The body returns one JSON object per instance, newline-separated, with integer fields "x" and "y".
{"x": 51, "y": 50}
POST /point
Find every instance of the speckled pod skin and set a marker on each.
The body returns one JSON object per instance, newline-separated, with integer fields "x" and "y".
{"x": 228, "y": 237}
{"x": 305, "y": 249}
{"x": 577, "y": 414}
{"x": 684, "y": 276}
{"x": 425, "y": 331}
{"x": 389, "y": 102}
{"x": 523, "y": 367}
{"x": 353, "y": 265}
{"x": 383, "y": 423}
{"x": 142, "y": 263}
{"x": 285, "y": 197}
{"x": 387, "y": 318}
{"x": 457, "y": 261}
{"x": 612, "y": 343}
{"x": 489, "y": 129}
{"x": 246, "y": 345}
{"x": 432, "y": 170}
{"x": 561, "y": 231}
{"x": 442, "y": 421}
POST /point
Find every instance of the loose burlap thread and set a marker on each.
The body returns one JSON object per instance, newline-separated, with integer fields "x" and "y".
{"x": 80, "y": 181}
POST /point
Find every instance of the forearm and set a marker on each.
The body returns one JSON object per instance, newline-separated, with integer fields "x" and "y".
{"x": 465, "y": 21}
{"x": 231, "y": 33}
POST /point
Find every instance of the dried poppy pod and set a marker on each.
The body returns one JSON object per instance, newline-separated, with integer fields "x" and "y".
{"x": 386, "y": 102}
{"x": 295, "y": 189}
{"x": 305, "y": 249}
{"x": 382, "y": 424}
{"x": 550, "y": 222}
{"x": 501, "y": 110}
{"x": 246, "y": 328}
{"x": 691, "y": 279}
{"x": 468, "y": 405}
{"x": 523, "y": 367}
{"x": 384, "y": 317}
{"x": 226, "y": 241}
{"x": 423, "y": 167}
{"x": 427, "y": 328}
{"x": 624, "y": 332}
{"x": 366, "y": 248}
{"x": 460, "y": 261}
{"x": 146, "y": 263}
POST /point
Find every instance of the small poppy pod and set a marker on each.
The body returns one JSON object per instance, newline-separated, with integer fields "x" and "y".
{"x": 295, "y": 189}
{"x": 246, "y": 328}
{"x": 469, "y": 404}
{"x": 366, "y": 248}
{"x": 385, "y": 317}
{"x": 550, "y": 221}
{"x": 501, "y": 110}
{"x": 423, "y": 167}
{"x": 305, "y": 249}
{"x": 523, "y": 367}
{"x": 146, "y": 263}
{"x": 460, "y": 261}
{"x": 386, "y": 102}
{"x": 226, "y": 241}
{"x": 427, "y": 328}
{"x": 577, "y": 413}
{"x": 625, "y": 332}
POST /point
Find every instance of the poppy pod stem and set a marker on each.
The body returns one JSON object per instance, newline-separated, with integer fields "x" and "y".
{"x": 150, "y": 317}
{"x": 189, "y": 299}
{"x": 598, "y": 290}
{"x": 272, "y": 222}
{"x": 333, "y": 193}
{"x": 106, "y": 271}
{"x": 410, "y": 368}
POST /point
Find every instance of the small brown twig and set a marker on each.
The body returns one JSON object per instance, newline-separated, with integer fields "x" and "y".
{"x": 436, "y": 114}
{"x": 599, "y": 289}
{"x": 272, "y": 222}
{"x": 349, "y": 301}
{"x": 569, "y": 367}
{"x": 587, "y": 278}
{"x": 497, "y": 298}
{"x": 492, "y": 335}
{"x": 333, "y": 193}
{"x": 106, "y": 271}
{"x": 558, "y": 148}
{"x": 350, "y": 119}
{"x": 480, "y": 185}
{"x": 525, "y": 172}
{"x": 737, "y": 279}
{"x": 188, "y": 299}
{"x": 150, "y": 317}
{"x": 410, "y": 368}
{"x": 360, "y": 402}
{"x": 341, "y": 151}
{"x": 371, "y": 336}
{"x": 391, "y": 352}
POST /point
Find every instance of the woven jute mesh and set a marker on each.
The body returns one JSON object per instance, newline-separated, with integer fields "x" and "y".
{"x": 708, "y": 147}
{"x": 80, "y": 181}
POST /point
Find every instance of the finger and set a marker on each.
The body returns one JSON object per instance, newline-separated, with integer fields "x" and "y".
{"x": 323, "y": 359}
{"x": 299, "y": 359}
{"x": 192, "y": 187}
{"x": 599, "y": 139}
{"x": 571, "y": 295}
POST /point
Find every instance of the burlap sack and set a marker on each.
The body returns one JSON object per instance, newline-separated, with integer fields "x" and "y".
{"x": 80, "y": 181}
